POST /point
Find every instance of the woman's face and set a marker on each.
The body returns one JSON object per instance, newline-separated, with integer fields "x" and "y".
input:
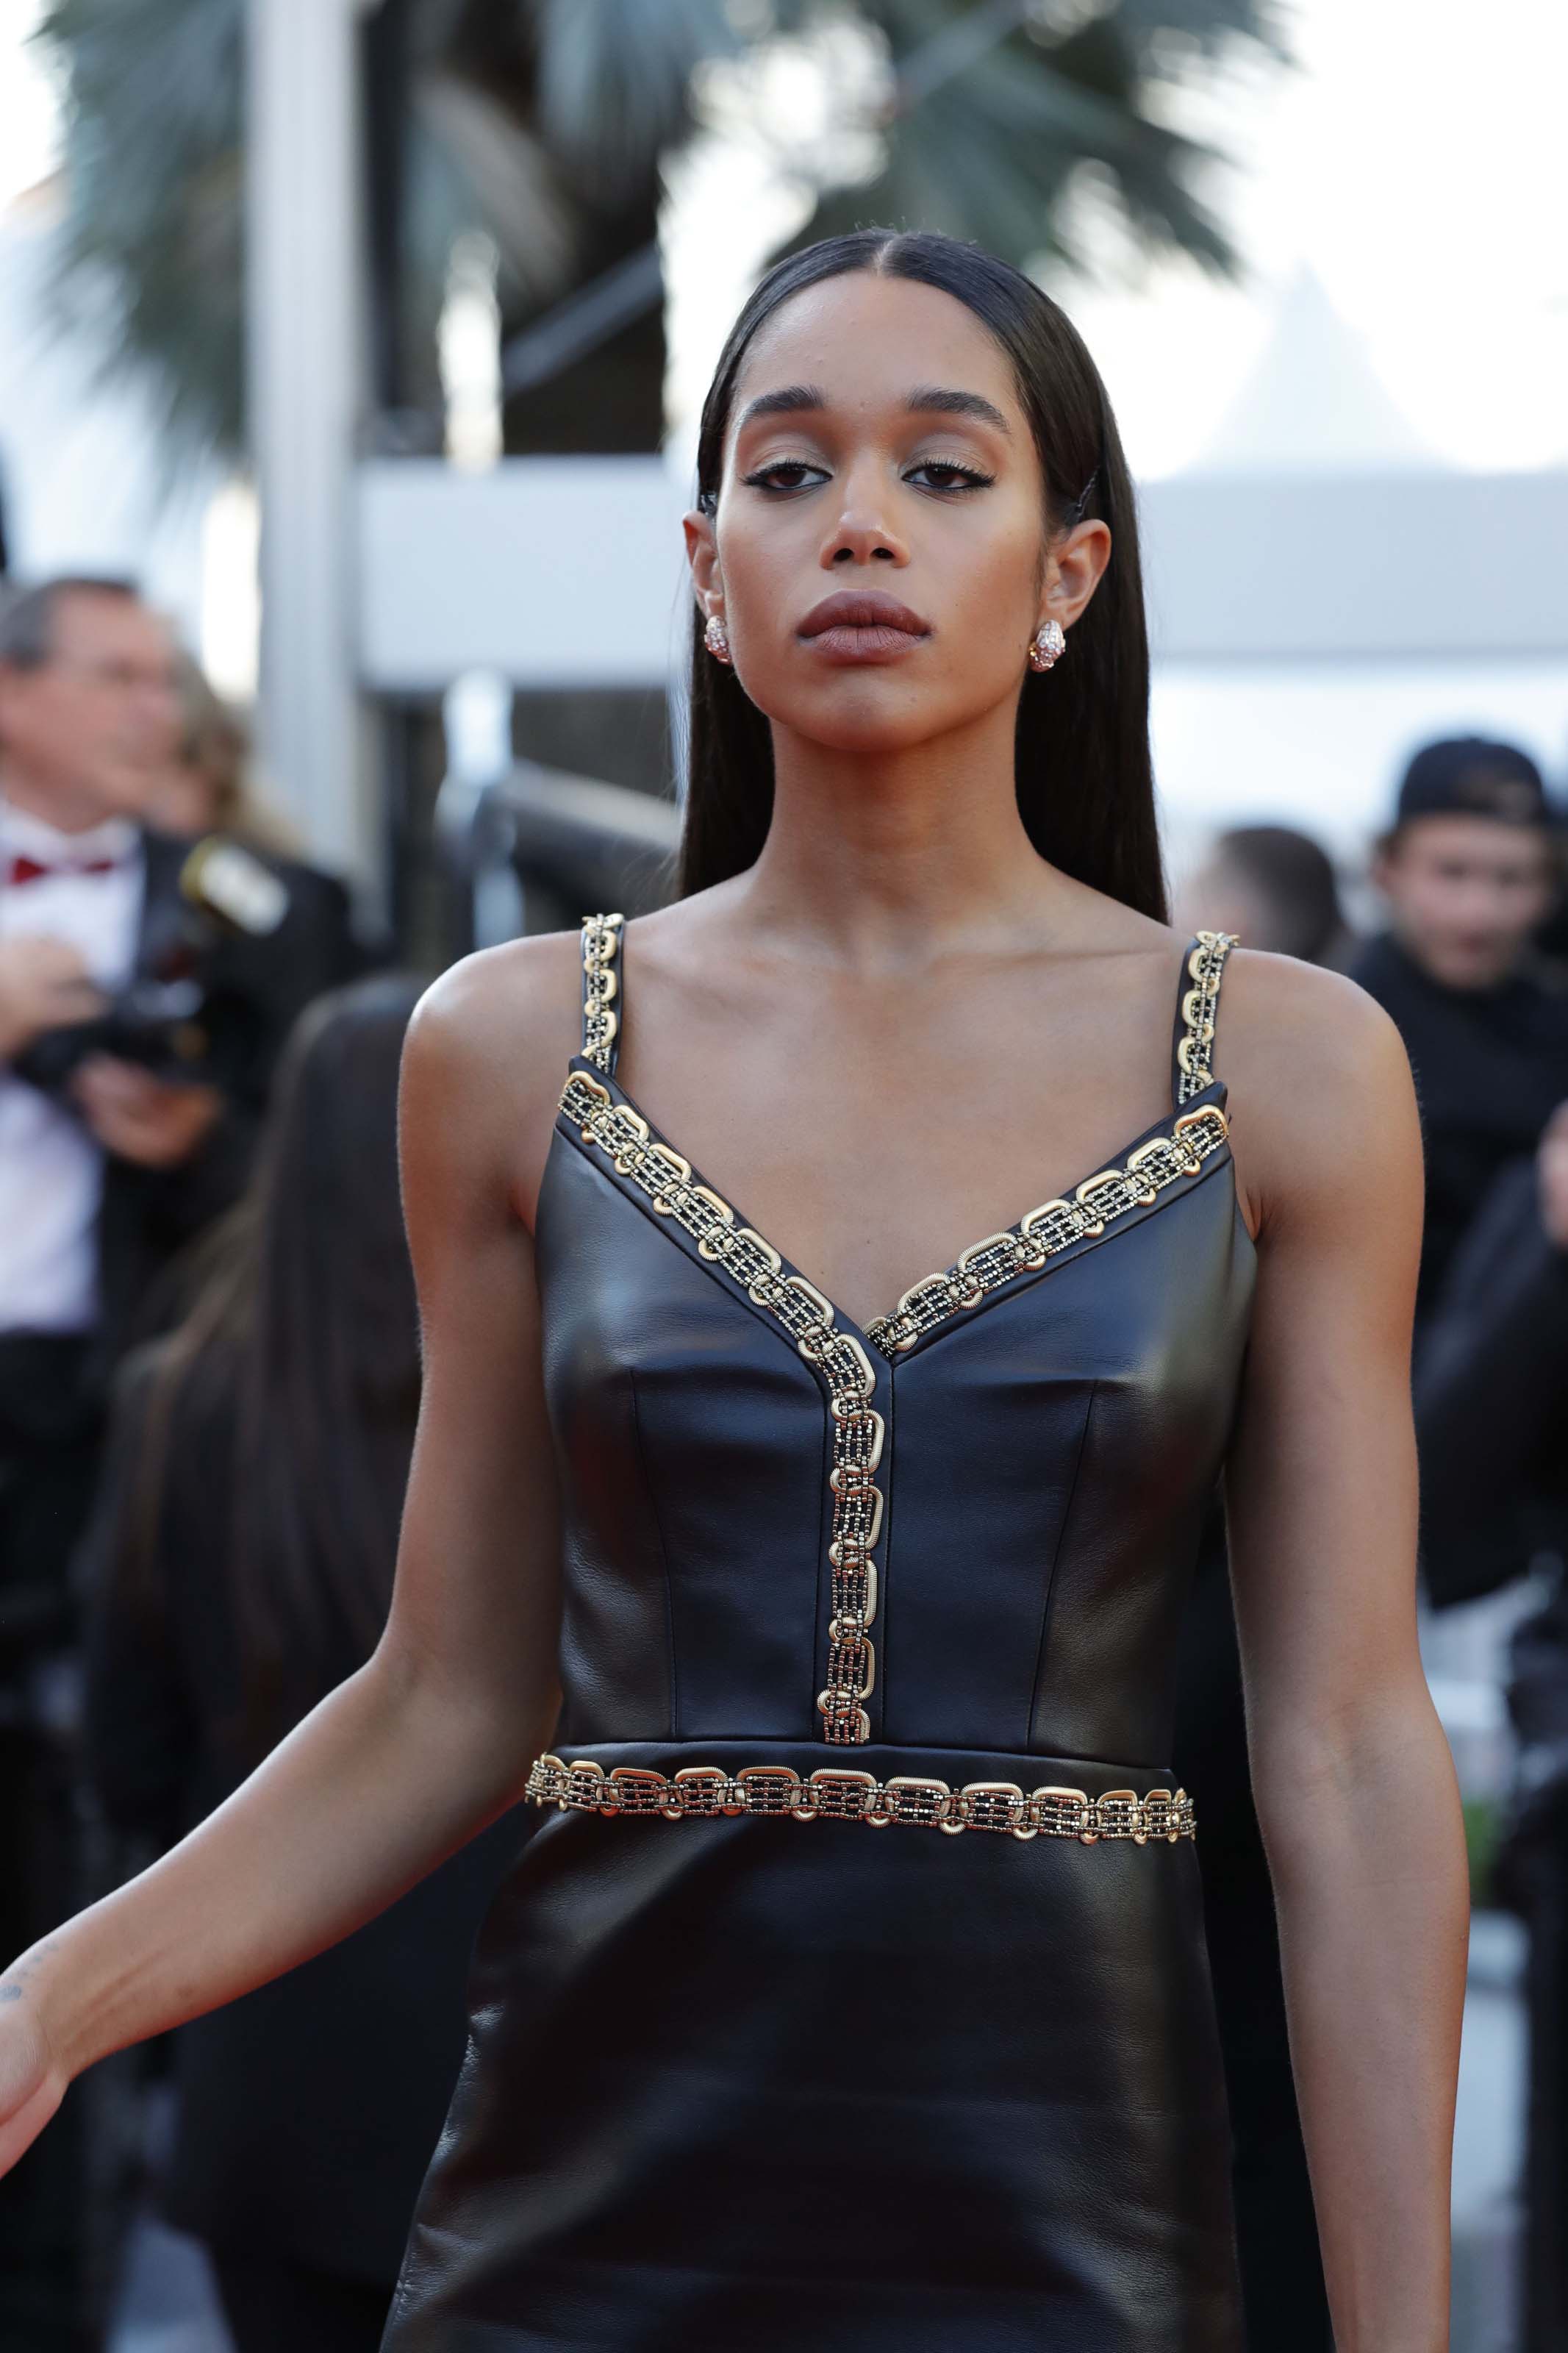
{"x": 877, "y": 450}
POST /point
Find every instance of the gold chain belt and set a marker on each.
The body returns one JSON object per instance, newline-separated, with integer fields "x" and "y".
{"x": 849, "y": 1797}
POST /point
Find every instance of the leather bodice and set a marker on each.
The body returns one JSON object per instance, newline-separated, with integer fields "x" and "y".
{"x": 968, "y": 1526}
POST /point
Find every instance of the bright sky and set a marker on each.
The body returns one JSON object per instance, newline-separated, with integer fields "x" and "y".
{"x": 1415, "y": 161}
{"x": 27, "y": 110}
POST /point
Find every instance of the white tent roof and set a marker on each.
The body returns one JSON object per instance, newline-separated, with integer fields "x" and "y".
{"x": 1314, "y": 403}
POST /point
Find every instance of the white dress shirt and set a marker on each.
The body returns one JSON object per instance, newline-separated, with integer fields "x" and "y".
{"x": 51, "y": 1169}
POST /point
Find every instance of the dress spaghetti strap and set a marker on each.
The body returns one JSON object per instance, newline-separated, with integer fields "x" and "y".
{"x": 601, "y": 990}
{"x": 1197, "y": 1004}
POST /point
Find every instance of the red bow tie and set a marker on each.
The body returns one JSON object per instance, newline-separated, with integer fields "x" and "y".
{"x": 23, "y": 868}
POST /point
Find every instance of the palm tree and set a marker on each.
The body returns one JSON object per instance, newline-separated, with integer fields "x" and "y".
{"x": 547, "y": 122}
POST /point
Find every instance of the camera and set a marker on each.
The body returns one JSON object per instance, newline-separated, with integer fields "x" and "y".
{"x": 176, "y": 1017}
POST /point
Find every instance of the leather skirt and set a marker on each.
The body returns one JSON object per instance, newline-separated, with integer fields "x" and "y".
{"x": 753, "y": 2085}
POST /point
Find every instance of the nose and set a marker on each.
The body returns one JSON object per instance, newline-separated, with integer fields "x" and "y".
{"x": 862, "y": 532}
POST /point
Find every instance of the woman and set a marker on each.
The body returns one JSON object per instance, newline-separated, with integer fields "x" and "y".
{"x": 240, "y": 1562}
{"x": 682, "y": 1505}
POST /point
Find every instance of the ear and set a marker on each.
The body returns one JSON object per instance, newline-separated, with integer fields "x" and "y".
{"x": 703, "y": 555}
{"x": 1074, "y": 569}
{"x": 1381, "y": 864}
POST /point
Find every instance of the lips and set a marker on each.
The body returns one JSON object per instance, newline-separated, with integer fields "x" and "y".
{"x": 862, "y": 609}
{"x": 861, "y": 626}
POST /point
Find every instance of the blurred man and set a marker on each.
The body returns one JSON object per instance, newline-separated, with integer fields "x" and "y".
{"x": 1468, "y": 875}
{"x": 111, "y": 1161}
{"x": 87, "y": 717}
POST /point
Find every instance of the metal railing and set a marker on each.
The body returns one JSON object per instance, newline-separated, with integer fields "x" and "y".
{"x": 532, "y": 848}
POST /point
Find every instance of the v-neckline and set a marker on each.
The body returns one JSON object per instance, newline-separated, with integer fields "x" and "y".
{"x": 1204, "y": 1111}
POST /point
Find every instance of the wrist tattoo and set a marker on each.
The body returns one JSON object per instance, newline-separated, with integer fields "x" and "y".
{"x": 14, "y": 1984}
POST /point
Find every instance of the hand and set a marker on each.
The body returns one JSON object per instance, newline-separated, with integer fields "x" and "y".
{"x": 44, "y": 984}
{"x": 157, "y": 1123}
{"x": 1551, "y": 1164}
{"x": 31, "y": 2085}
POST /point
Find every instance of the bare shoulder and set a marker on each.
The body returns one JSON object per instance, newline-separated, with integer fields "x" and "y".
{"x": 1319, "y": 1092}
{"x": 487, "y": 1053}
{"x": 515, "y": 1009}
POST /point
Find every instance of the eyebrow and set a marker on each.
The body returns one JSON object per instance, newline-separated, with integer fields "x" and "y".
{"x": 926, "y": 399}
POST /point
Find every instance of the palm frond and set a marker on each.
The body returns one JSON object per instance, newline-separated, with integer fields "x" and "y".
{"x": 996, "y": 148}
{"x": 614, "y": 79}
{"x": 545, "y": 122}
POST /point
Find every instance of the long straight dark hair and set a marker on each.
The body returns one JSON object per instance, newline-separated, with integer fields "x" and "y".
{"x": 1085, "y": 779}
{"x": 300, "y": 1357}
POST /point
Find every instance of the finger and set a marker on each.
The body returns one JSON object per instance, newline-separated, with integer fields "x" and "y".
{"x": 47, "y": 954}
{"x": 125, "y": 1083}
{"x": 106, "y": 1108}
{"x": 74, "y": 998}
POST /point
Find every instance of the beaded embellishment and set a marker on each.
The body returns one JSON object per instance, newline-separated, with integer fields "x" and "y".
{"x": 601, "y": 986}
{"x": 925, "y": 1803}
{"x": 1098, "y": 1202}
{"x": 666, "y": 1181}
{"x": 1194, "y": 1049}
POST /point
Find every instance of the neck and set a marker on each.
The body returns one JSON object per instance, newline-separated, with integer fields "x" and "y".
{"x": 868, "y": 852}
{"x": 68, "y": 808}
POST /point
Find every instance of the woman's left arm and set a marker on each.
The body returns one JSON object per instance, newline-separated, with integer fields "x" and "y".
{"x": 1354, "y": 1781}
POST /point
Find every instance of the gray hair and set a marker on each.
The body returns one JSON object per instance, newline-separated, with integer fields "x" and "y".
{"x": 27, "y": 618}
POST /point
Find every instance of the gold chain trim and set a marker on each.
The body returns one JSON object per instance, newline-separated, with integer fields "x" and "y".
{"x": 601, "y": 986}
{"x": 858, "y": 1431}
{"x": 703, "y": 1790}
{"x": 1055, "y": 1226}
{"x": 1194, "y": 1053}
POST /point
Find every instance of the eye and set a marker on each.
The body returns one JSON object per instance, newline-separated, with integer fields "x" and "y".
{"x": 770, "y": 477}
{"x": 957, "y": 477}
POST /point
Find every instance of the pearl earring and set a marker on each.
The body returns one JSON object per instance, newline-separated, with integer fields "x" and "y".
{"x": 715, "y": 637}
{"x": 1048, "y": 646}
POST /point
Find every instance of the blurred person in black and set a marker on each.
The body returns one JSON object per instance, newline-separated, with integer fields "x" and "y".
{"x": 1469, "y": 876}
{"x": 1491, "y": 1384}
{"x": 241, "y": 1559}
{"x": 1276, "y": 889}
{"x": 1491, "y": 1411}
{"x": 109, "y": 1166}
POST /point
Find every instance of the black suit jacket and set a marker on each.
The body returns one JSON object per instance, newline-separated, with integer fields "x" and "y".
{"x": 258, "y": 987}
{"x": 1490, "y": 1066}
{"x": 1491, "y": 1399}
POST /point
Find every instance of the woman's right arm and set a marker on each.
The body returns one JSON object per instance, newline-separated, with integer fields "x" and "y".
{"x": 433, "y": 1737}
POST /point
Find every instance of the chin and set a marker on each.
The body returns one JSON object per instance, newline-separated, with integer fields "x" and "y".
{"x": 864, "y": 717}
{"x": 1473, "y": 968}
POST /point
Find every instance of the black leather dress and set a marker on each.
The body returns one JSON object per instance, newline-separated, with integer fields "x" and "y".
{"x": 853, "y": 1995}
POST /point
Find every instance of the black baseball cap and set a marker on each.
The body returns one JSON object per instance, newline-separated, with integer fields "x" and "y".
{"x": 1467, "y": 775}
